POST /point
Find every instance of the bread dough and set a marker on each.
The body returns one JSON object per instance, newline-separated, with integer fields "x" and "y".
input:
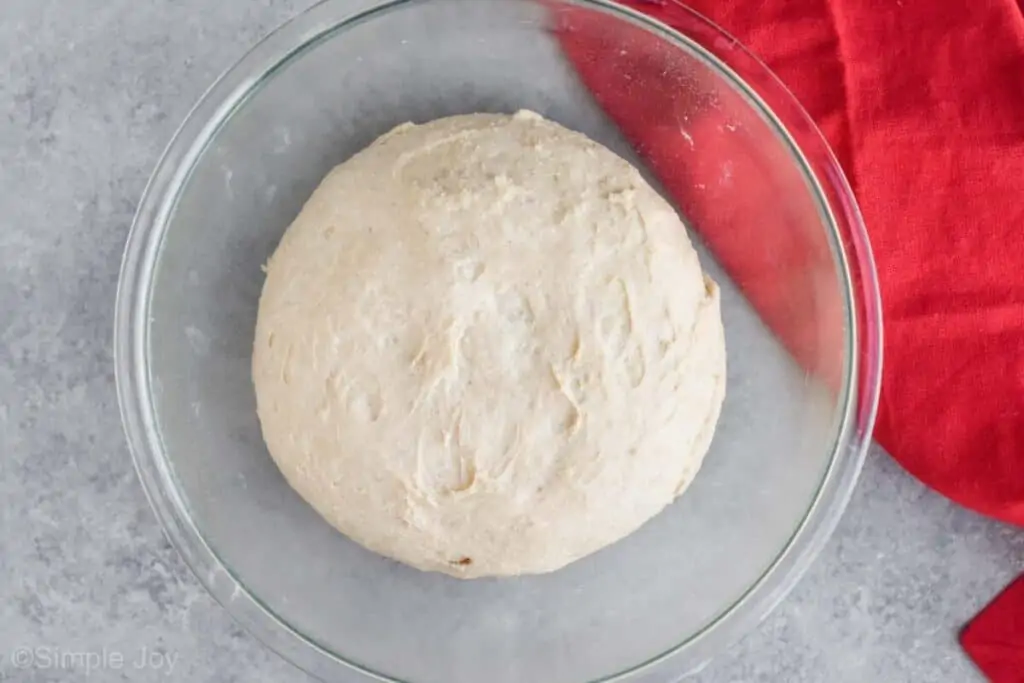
{"x": 486, "y": 347}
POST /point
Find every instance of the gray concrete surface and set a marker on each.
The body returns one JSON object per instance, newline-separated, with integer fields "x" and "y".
{"x": 90, "y": 92}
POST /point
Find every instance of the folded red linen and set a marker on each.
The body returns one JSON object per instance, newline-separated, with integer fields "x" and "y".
{"x": 995, "y": 639}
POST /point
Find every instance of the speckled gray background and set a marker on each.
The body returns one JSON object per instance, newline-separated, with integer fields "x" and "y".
{"x": 90, "y": 92}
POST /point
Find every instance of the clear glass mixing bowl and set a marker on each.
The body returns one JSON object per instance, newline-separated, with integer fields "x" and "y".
{"x": 777, "y": 226}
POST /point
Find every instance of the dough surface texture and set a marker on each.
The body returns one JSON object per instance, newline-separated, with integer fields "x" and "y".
{"x": 486, "y": 347}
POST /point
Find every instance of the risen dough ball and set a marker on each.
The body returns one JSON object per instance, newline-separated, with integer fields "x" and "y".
{"x": 486, "y": 347}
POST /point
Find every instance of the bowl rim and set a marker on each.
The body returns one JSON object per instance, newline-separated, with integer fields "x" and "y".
{"x": 851, "y": 250}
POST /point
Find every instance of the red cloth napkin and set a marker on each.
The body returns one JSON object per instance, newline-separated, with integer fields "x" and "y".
{"x": 996, "y": 638}
{"x": 923, "y": 104}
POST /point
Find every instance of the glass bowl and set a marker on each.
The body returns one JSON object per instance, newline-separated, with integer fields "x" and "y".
{"x": 776, "y": 224}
